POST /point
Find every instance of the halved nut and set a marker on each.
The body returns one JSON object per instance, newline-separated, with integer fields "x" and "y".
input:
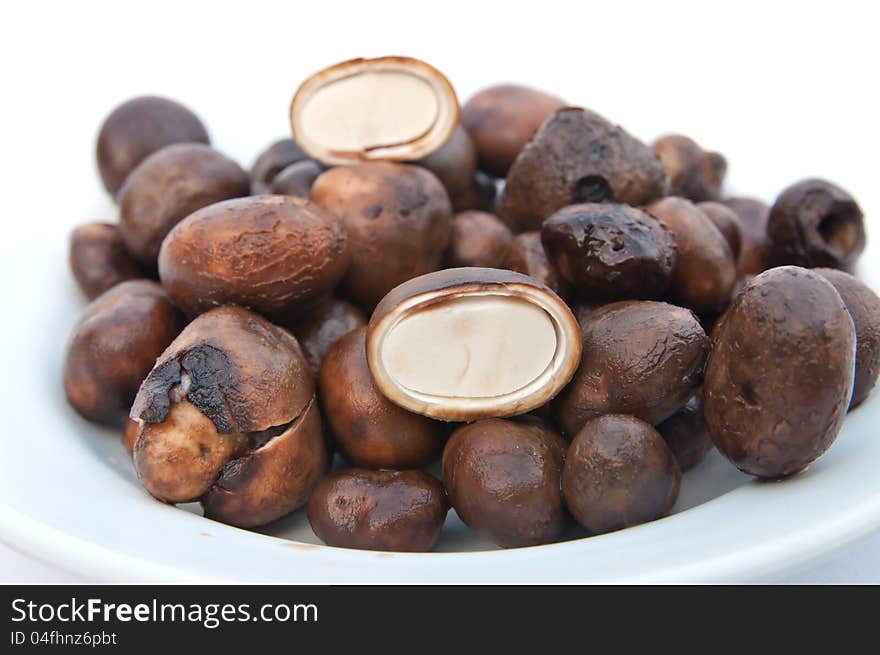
{"x": 395, "y": 108}
{"x": 470, "y": 343}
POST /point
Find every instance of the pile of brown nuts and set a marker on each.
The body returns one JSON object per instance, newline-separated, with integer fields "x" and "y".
{"x": 526, "y": 299}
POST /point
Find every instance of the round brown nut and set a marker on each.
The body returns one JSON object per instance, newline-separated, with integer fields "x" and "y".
{"x": 113, "y": 347}
{"x": 864, "y": 308}
{"x": 753, "y": 215}
{"x": 322, "y": 326}
{"x": 369, "y": 430}
{"x": 398, "y": 222}
{"x": 705, "y": 271}
{"x": 501, "y": 119}
{"x": 378, "y": 510}
{"x": 610, "y": 251}
{"x": 169, "y": 185}
{"x": 274, "y": 254}
{"x": 274, "y": 159}
{"x": 727, "y": 222}
{"x": 780, "y": 375}
{"x": 503, "y": 478}
{"x": 297, "y": 179}
{"x": 527, "y": 256}
{"x": 641, "y": 358}
{"x": 686, "y": 434}
{"x": 815, "y": 223}
{"x": 478, "y": 239}
{"x": 578, "y": 157}
{"x": 618, "y": 473}
{"x": 694, "y": 173}
{"x": 470, "y": 343}
{"x": 137, "y": 129}
{"x": 99, "y": 259}
{"x": 454, "y": 164}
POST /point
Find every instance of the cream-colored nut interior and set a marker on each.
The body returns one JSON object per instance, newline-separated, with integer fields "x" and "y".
{"x": 471, "y": 347}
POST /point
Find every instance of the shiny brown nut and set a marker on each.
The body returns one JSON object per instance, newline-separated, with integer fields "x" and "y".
{"x": 618, "y": 473}
{"x": 578, "y": 157}
{"x": 705, "y": 271}
{"x": 113, "y": 347}
{"x": 780, "y": 374}
{"x": 527, "y": 256}
{"x": 610, "y": 251}
{"x": 99, "y": 259}
{"x": 398, "y": 222}
{"x": 271, "y": 161}
{"x": 727, "y": 222}
{"x": 169, "y": 185}
{"x": 297, "y": 179}
{"x": 137, "y": 129}
{"x": 389, "y": 108}
{"x": 753, "y": 215}
{"x": 694, "y": 173}
{"x": 378, "y": 510}
{"x": 368, "y": 429}
{"x": 478, "y": 239}
{"x": 815, "y": 223}
{"x": 503, "y": 479}
{"x": 228, "y": 416}
{"x": 277, "y": 255}
{"x": 322, "y": 326}
{"x": 130, "y": 433}
{"x": 470, "y": 343}
{"x": 686, "y": 434}
{"x": 864, "y": 308}
{"x": 454, "y": 164}
{"x": 641, "y": 358}
{"x": 501, "y": 119}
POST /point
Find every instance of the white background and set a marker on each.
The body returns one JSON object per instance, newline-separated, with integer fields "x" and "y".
{"x": 784, "y": 90}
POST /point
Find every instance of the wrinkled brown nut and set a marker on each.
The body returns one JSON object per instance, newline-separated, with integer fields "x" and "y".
{"x": 642, "y": 358}
{"x": 274, "y": 159}
{"x": 501, "y": 119}
{"x": 727, "y": 222}
{"x": 368, "y": 429}
{"x": 686, "y": 434}
{"x": 99, "y": 259}
{"x": 130, "y": 434}
{"x": 705, "y": 271}
{"x": 470, "y": 343}
{"x": 398, "y": 222}
{"x": 137, "y": 129}
{"x": 694, "y": 173}
{"x": 780, "y": 375}
{"x": 411, "y": 110}
{"x": 578, "y": 157}
{"x": 274, "y": 254}
{"x": 454, "y": 164}
{"x": 168, "y": 186}
{"x": 753, "y": 215}
{"x": 378, "y": 510}
{"x": 503, "y": 478}
{"x": 228, "y": 416}
{"x": 297, "y": 179}
{"x": 864, "y": 308}
{"x": 618, "y": 473}
{"x": 527, "y": 256}
{"x": 478, "y": 239}
{"x": 113, "y": 347}
{"x": 321, "y": 327}
{"x": 815, "y": 223}
{"x": 610, "y": 251}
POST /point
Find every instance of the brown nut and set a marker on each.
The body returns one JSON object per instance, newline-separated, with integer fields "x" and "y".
{"x": 390, "y": 108}
{"x": 130, "y": 433}
{"x": 137, "y": 129}
{"x": 297, "y": 179}
{"x": 99, "y": 259}
{"x": 368, "y": 429}
{"x": 503, "y": 478}
{"x": 694, "y": 173}
{"x": 322, "y": 326}
{"x": 501, "y": 119}
{"x": 478, "y": 239}
{"x": 727, "y": 222}
{"x": 815, "y": 223}
{"x": 470, "y": 343}
{"x": 753, "y": 215}
{"x": 527, "y": 256}
{"x": 578, "y": 157}
{"x": 113, "y": 347}
{"x": 398, "y": 222}
{"x": 705, "y": 271}
{"x": 686, "y": 434}
{"x": 864, "y": 308}
{"x": 618, "y": 473}
{"x": 378, "y": 510}
{"x": 480, "y": 195}
{"x": 274, "y": 159}
{"x": 610, "y": 251}
{"x": 780, "y": 375}
{"x": 642, "y": 358}
{"x": 274, "y": 254}
{"x": 454, "y": 164}
{"x": 168, "y": 186}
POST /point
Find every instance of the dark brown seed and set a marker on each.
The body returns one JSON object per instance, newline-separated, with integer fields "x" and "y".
{"x": 99, "y": 259}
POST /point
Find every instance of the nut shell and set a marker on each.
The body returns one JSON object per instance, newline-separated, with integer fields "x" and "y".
{"x": 99, "y": 259}
{"x": 753, "y": 216}
{"x": 274, "y": 159}
{"x": 527, "y": 256}
{"x": 686, "y": 434}
{"x": 320, "y": 328}
{"x": 478, "y": 239}
{"x": 693, "y": 173}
